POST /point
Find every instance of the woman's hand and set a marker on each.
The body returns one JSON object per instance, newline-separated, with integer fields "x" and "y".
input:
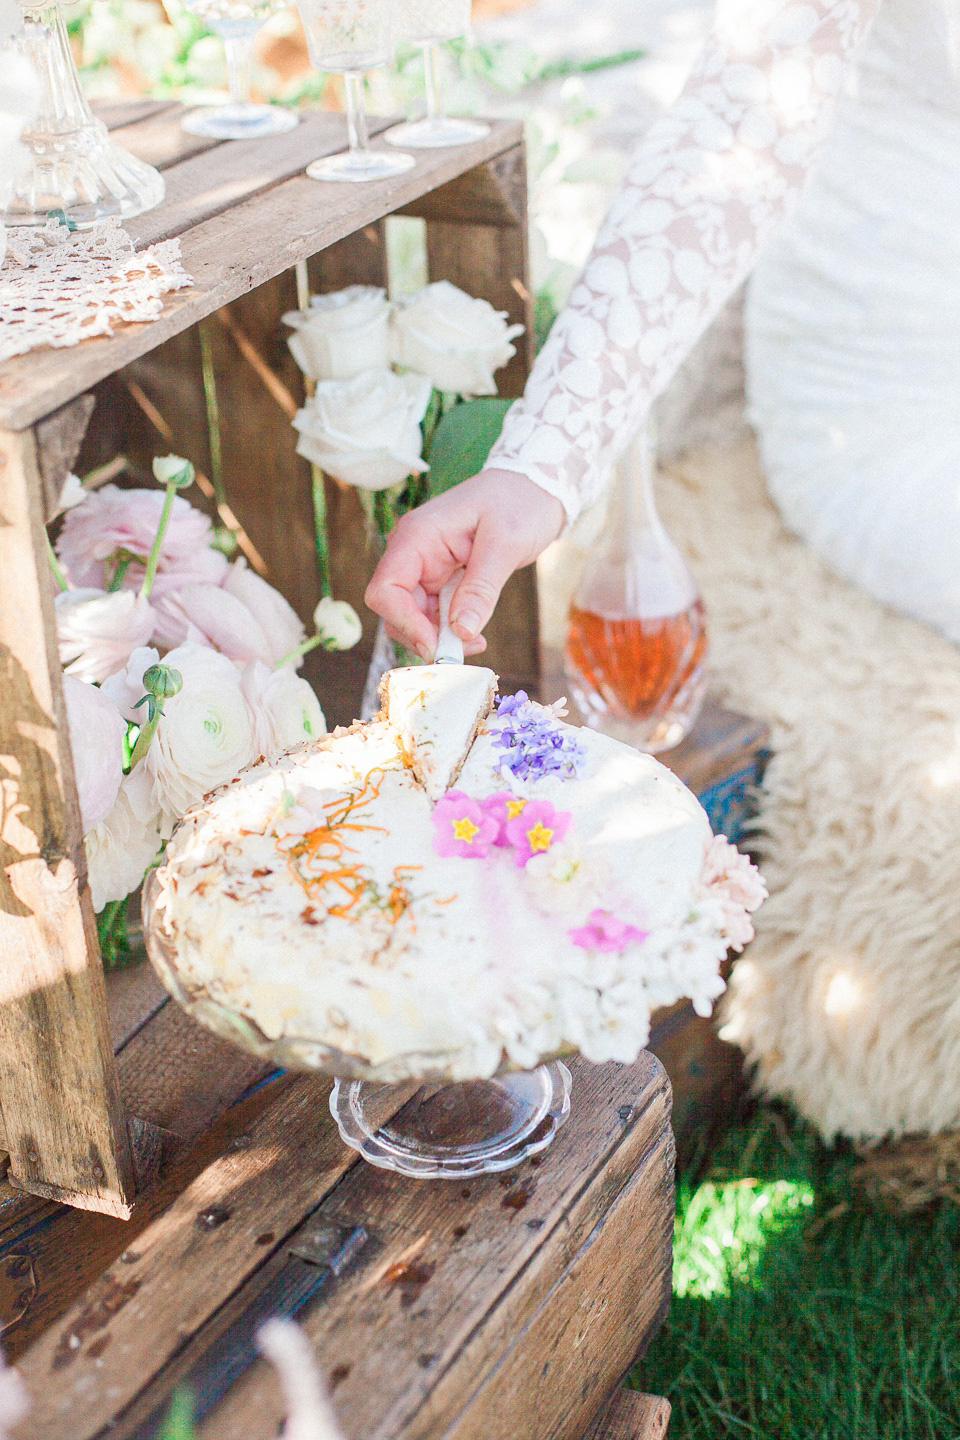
{"x": 489, "y": 526}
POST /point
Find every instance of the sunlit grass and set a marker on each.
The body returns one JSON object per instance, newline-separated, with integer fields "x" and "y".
{"x": 801, "y": 1311}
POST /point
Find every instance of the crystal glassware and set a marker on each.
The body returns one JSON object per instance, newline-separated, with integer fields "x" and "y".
{"x": 429, "y": 23}
{"x": 237, "y": 22}
{"x": 637, "y": 642}
{"x": 348, "y": 38}
{"x": 73, "y": 165}
{"x": 445, "y": 1129}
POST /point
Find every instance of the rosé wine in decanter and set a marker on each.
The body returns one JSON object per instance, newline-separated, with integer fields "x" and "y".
{"x": 637, "y": 641}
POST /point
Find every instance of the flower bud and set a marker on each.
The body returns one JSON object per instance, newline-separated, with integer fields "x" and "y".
{"x": 338, "y": 624}
{"x": 162, "y": 681}
{"x": 173, "y": 470}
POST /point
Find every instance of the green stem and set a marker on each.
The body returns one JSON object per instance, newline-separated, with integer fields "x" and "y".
{"x": 112, "y": 931}
{"x": 213, "y": 415}
{"x": 382, "y": 514}
{"x": 320, "y": 530}
{"x": 303, "y": 649}
{"x": 119, "y": 575}
{"x": 143, "y": 740}
{"x": 58, "y": 574}
{"x": 154, "y": 558}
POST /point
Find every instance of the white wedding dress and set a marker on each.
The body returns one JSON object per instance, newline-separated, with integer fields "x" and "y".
{"x": 851, "y": 107}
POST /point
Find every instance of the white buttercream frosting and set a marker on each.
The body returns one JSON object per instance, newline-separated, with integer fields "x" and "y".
{"x": 308, "y": 897}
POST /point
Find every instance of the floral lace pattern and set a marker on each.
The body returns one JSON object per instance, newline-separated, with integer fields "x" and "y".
{"x": 715, "y": 177}
{"x": 58, "y": 288}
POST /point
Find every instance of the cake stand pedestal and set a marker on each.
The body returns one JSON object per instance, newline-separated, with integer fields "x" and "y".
{"x": 450, "y": 1131}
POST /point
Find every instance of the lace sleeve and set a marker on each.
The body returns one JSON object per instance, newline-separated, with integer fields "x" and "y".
{"x": 714, "y": 178}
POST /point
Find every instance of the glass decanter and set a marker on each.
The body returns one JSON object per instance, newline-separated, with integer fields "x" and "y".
{"x": 74, "y": 166}
{"x": 636, "y": 647}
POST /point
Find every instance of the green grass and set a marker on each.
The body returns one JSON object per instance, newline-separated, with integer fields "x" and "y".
{"x": 802, "y": 1311}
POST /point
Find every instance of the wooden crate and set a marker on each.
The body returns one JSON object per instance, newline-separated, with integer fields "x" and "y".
{"x": 245, "y": 214}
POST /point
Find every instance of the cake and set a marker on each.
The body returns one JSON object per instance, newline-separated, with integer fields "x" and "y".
{"x": 456, "y": 886}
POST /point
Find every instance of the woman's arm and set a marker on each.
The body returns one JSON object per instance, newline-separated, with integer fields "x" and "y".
{"x": 712, "y": 181}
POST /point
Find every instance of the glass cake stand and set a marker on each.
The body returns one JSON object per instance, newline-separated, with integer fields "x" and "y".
{"x": 447, "y": 1129}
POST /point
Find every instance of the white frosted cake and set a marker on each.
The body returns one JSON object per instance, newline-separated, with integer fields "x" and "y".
{"x": 452, "y": 887}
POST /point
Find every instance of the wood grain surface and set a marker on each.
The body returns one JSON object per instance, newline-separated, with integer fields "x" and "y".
{"x": 630, "y": 1415}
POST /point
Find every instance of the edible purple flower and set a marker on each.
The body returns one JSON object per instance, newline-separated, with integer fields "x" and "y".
{"x": 532, "y": 742}
{"x": 605, "y": 933}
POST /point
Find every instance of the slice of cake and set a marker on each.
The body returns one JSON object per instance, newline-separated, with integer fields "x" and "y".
{"x": 437, "y": 710}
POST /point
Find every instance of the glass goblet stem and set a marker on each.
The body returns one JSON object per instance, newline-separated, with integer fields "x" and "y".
{"x": 239, "y": 51}
{"x": 357, "y": 130}
{"x": 431, "y": 75}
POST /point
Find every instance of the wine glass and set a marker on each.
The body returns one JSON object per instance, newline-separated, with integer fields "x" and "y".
{"x": 237, "y": 22}
{"x": 349, "y": 37}
{"x": 429, "y": 23}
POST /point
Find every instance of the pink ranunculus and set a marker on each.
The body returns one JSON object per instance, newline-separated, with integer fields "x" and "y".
{"x": 277, "y": 619}
{"x": 110, "y": 519}
{"x": 536, "y": 830}
{"x": 504, "y": 807}
{"x": 97, "y": 632}
{"x": 739, "y": 886}
{"x": 124, "y": 689}
{"x": 461, "y": 827}
{"x": 96, "y": 730}
{"x": 208, "y": 615}
{"x": 606, "y": 933}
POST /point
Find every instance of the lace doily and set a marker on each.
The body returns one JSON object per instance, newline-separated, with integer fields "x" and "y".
{"x": 58, "y": 288}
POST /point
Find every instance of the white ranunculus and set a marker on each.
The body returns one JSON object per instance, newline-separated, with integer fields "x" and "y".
{"x": 342, "y": 334}
{"x": 337, "y": 623}
{"x": 285, "y": 710}
{"x": 97, "y": 632}
{"x": 366, "y": 431}
{"x": 119, "y": 850}
{"x": 204, "y": 738}
{"x": 96, "y": 730}
{"x": 457, "y": 341}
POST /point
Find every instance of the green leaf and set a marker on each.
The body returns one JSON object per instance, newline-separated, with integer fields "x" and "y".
{"x": 463, "y": 440}
{"x": 178, "y": 1424}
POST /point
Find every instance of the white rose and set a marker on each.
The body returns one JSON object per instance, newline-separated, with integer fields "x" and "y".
{"x": 342, "y": 334}
{"x": 285, "y": 710}
{"x": 119, "y": 850}
{"x": 204, "y": 738}
{"x": 97, "y": 632}
{"x": 96, "y": 730}
{"x": 366, "y": 431}
{"x": 337, "y": 623}
{"x": 454, "y": 339}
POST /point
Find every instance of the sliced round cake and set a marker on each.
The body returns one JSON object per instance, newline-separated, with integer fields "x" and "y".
{"x": 456, "y": 886}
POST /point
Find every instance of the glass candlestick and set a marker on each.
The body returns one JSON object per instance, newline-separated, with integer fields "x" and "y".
{"x": 73, "y": 166}
{"x": 429, "y": 23}
{"x": 237, "y": 22}
{"x": 637, "y": 642}
{"x": 348, "y": 38}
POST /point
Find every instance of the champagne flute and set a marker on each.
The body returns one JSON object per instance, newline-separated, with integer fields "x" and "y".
{"x": 429, "y": 23}
{"x": 237, "y": 22}
{"x": 349, "y": 37}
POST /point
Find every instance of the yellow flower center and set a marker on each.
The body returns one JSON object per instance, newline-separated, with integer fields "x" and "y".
{"x": 515, "y": 808}
{"x": 540, "y": 838}
{"x": 465, "y": 830}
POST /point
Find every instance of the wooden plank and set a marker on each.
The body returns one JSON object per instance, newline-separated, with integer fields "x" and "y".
{"x": 446, "y": 1327}
{"x": 160, "y": 139}
{"x": 230, "y": 255}
{"x": 223, "y": 1227}
{"x": 630, "y": 1415}
{"x": 115, "y": 113}
{"x": 134, "y": 996}
{"x": 61, "y": 1115}
{"x": 59, "y": 438}
{"x": 491, "y": 260}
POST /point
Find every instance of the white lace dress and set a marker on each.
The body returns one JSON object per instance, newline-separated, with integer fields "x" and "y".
{"x": 852, "y": 321}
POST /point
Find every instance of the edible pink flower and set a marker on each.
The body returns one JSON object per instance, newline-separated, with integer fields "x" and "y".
{"x": 110, "y": 519}
{"x": 606, "y": 933}
{"x": 503, "y": 807}
{"x": 536, "y": 829}
{"x": 462, "y": 828}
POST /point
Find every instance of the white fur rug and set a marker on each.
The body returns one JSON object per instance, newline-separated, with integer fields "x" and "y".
{"x": 849, "y": 998}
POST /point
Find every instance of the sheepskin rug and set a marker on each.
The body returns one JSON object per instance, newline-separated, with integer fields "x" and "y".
{"x": 848, "y": 1001}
